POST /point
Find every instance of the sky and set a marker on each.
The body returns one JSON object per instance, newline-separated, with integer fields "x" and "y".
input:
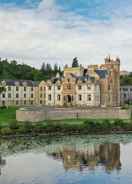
{"x": 56, "y": 31}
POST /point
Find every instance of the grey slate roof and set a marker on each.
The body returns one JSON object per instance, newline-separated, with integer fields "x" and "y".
{"x": 102, "y": 73}
{"x": 21, "y": 82}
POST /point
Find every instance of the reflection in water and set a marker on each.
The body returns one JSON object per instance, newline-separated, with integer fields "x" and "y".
{"x": 66, "y": 160}
{"x": 106, "y": 155}
{"x": 2, "y": 163}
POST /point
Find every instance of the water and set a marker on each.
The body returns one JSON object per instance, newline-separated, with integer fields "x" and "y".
{"x": 67, "y": 160}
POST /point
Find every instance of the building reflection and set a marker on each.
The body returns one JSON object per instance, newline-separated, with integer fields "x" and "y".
{"x": 106, "y": 156}
{"x": 2, "y": 164}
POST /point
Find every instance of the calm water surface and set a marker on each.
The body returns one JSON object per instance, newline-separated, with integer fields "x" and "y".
{"x": 67, "y": 160}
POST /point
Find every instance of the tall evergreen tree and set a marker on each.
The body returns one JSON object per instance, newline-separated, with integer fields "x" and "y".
{"x": 75, "y": 62}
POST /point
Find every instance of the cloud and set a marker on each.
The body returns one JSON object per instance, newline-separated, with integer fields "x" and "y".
{"x": 49, "y": 33}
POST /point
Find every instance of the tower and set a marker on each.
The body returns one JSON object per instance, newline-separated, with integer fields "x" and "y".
{"x": 113, "y": 67}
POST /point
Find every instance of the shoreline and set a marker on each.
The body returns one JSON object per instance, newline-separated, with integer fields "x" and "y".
{"x": 9, "y": 127}
{"x": 68, "y": 127}
{"x": 58, "y": 134}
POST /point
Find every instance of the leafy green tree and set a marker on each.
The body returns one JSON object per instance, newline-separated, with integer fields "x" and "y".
{"x": 13, "y": 70}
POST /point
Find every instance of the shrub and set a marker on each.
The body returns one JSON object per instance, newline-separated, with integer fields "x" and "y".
{"x": 6, "y": 131}
{"x": 13, "y": 125}
{"x": 106, "y": 124}
{"x": 26, "y": 127}
{"x": 91, "y": 124}
{"x": 119, "y": 123}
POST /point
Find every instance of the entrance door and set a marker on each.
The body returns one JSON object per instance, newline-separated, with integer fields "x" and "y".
{"x": 68, "y": 99}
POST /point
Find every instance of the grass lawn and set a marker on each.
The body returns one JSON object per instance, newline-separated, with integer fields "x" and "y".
{"x": 66, "y": 121}
{"x": 7, "y": 115}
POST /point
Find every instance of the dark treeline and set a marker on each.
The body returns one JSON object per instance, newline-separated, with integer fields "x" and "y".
{"x": 126, "y": 80}
{"x": 13, "y": 70}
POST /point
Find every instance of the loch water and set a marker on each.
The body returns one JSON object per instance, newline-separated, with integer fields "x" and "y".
{"x": 93, "y": 159}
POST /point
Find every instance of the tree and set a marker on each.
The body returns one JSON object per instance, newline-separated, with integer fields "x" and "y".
{"x": 75, "y": 62}
{"x": 43, "y": 68}
{"x": 13, "y": 70}
{"x": 56, "y": 68}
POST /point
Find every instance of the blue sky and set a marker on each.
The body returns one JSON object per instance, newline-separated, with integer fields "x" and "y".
{"x": 57, "y": 30}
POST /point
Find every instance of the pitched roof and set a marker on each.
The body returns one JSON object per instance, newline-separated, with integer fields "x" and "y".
{"x": 20, "y": 82}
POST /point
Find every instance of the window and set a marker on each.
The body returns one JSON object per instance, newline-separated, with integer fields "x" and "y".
{"x": 41, "y": 95}
{"x": 9, "y": 95}
{"x": 89, "y": 98}
{"x": 59, "y": 87}
{"x": 58, "y": 97}
{"x": 80, "y": 97}
{"x": 125, "y": 96}
{"x": 49, "y": 87}
{"x": 3, "y": 95}
{"x": 40, "y": 101}
{"x": 89, "y": 87}
{"x": 31, "y": 102}
{"x": 32, "y": 95}
{"x": 69, "y": 86}
{"x": 41, "y": 88}
{"x": 17, "y": 95}
{"x": 24, "y": 88}
{"x": 24, "y": 102}
{"x": 9, "y": 88}
{"x": 31, "y": 88}
{"x": 125, "y": 89}
{"x": 49, "y": 97}
{"x": 24, "y": 95}
{"x": 17, "y": 88}
{"x": 79, "y": 87}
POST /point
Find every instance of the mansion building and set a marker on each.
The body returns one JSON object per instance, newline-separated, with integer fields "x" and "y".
{"x": 94, "y": 86}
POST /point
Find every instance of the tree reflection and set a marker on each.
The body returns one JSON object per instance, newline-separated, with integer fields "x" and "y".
{"x": 105, "y": 155}
{"x": 2, "y": 163}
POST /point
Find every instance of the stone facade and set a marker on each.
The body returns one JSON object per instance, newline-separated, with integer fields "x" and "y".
{"x": 41, "y": 114}
{"x": 97, "y": 85}
{"x": 108, "y": 75}
{"x": 94, "y": 86}
{"x": 18, "y": 92}
{"x": 72, "y": 91}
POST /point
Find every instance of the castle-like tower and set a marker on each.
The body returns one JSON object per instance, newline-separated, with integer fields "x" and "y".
{"x": 111, "y": 86}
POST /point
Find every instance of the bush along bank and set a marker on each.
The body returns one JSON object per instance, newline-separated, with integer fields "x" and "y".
{"x": 58, "y": 128}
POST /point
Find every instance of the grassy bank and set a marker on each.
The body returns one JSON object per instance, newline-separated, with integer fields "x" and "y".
{"x": 9, "y": 126}
{"x": 7, "y": 115}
